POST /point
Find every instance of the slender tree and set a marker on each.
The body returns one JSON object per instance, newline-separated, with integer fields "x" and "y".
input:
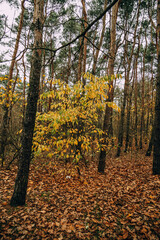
{"x": 128, "y": 56}
{"x": 136, "y": 93}
{"x": 142, "y": 95}
{"x": 129, "y": 103}
{"x": 101, "y": 40}
{"x": 107, "y": 124}
{"x": 5, "y": 120}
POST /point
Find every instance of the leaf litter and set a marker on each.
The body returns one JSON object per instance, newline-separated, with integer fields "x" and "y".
{"x": 123, "y": 203}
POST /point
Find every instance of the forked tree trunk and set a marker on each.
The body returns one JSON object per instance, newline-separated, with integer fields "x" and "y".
{"x": 21, "y": 182}
{"x": 156, "y": 151}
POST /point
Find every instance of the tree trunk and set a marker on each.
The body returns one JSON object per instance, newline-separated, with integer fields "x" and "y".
{"x": 52, "y": 75}
{"x": 102, "y": 156}
{"x": 128, "y": 118}
{"x": 142, "y": 96}
{"x": 148, "y": 115}
{"x": 69, "y": 63}
{"x": 100, "y": 41}
{"x": 21, "y": 182}
{"x": 80, "y": 58}
{"x": 149, "y": 150}
{"x": 5, "y": 120}
{"x": 42, "y": 76}
{"x": 126, "y": 85}
{"x": 24, "y": 88}
{"x": 108, "y": 111}
{"x": 135, "y": 105}
{"x": 84, "y": 41}
{"x": 156, "y": 150}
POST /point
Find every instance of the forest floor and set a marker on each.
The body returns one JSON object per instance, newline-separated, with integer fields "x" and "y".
{"x": 123, "y": 203}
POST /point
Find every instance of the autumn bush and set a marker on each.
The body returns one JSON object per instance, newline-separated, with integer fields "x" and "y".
{"x": 14, "y": 105}
{"x": 70, "y": 129}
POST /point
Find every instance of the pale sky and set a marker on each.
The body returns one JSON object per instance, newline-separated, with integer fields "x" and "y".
{"x": 9, "y": 11}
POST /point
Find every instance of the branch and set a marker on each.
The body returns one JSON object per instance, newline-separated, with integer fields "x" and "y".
{"x": 89, "y": 26}
{"x": 105, "y": 54}
{"x": 80, "y": 35}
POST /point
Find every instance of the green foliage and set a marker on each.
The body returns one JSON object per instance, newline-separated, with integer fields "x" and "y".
{"x": 126, "y": 7}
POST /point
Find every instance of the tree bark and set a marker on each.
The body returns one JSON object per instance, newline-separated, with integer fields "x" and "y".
{"x": 149, "y": 150}
{"x": 128, "y": 118}
{"x": 156, "y": 150}
{"x": 142, "y": 96}
{"x": 108, "y": 110}
{"x": 21, "y": 182}
{"x": 42, "y": 76}
{"x": 84, "y": 41}
{"x": 135, "y": 105}
{"x": 100, "y": 41}
{"x": 5, "y": 120}
{"x": 126, "y": 85}
{"x": 68, "y": 64}
{"x": 80, "y": 58}
{"x": 24, "y": 87}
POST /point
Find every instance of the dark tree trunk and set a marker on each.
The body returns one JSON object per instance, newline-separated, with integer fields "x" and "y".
{"x": 128, "y": 119}
{"x": 156, "y": 150}
{"x": 142, "y": 96}
{"x": 102, "y": 157}
{"x": 21, "y": 182}
{"x": 149, "y": 150}
{"x": 135, "y": 101}
{"x": 4, "y": 133}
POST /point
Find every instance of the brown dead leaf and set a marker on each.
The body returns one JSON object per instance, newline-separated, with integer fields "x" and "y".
{"x": 80, "y": 226}
{"x": 57, "y": 224}
{"x": 125, "y": 235}
{"x": 96, "y": 221}
{"x": 144, "y": 230}
{"x": 66, "y": 209}
{"x": 70, "y": 228}
{"x": 51, "y": 231}
{"x": 64, "y": 226}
